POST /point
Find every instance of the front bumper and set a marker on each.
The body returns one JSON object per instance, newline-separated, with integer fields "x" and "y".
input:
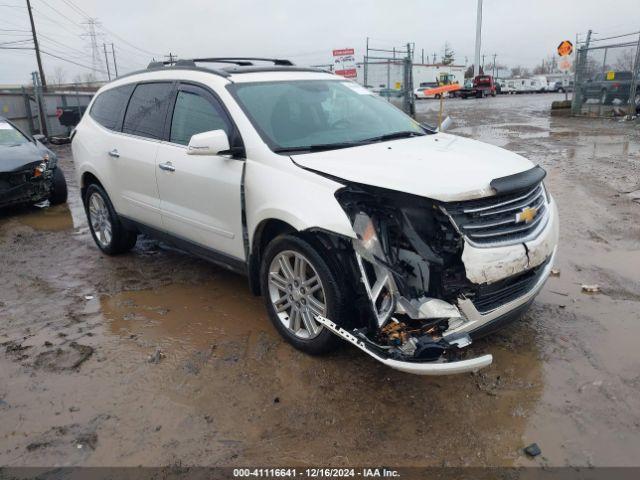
{"x": 416, "y": 368}
{"x": 29, "y": 191}
{"x": 489, "y": 265}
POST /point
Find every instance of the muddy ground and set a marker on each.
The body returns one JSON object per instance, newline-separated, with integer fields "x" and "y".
{"x": 82, "y": 381}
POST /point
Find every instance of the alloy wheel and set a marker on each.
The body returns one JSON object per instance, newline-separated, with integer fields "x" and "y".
{"x": 296, "y": 293}
{"x": 100, "y": 219}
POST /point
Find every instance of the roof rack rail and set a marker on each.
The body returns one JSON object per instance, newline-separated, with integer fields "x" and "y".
{"x": 240, "y": 61}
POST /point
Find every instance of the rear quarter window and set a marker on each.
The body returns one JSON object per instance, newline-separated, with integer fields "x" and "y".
{"x": 108, "y": 106}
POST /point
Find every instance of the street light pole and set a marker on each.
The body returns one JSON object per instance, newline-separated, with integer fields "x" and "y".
{"x": 476, "y": 66}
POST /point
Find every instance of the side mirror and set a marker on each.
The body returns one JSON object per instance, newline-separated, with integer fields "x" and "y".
{"x": 446, "y": 124}
{"x": 214, "y": 142}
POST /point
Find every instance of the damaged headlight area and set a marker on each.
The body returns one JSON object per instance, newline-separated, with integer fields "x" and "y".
{"x": 408, "y": 257}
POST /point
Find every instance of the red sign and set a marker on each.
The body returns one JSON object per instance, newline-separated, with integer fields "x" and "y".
{"x": 344, "y": 62}
{"x": 565, "y": 48}
{"x": 343, "y": 52}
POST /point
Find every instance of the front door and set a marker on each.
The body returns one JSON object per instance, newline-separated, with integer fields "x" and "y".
{"x": 200, "y": 198}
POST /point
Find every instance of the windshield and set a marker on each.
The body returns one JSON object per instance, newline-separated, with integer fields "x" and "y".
{"x": 9, "y": 136}
{"x": 320, "y": 114}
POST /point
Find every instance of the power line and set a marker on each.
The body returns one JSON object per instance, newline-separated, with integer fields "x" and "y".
{"x": 60, "y": 13}
{"x": 71, "y": 61}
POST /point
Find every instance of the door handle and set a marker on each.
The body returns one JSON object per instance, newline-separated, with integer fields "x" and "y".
{"x": 167, "y": 167}
{"x": 114, "y": 153}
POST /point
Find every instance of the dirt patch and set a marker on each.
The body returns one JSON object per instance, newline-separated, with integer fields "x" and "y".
{"x": 63, "y": 358}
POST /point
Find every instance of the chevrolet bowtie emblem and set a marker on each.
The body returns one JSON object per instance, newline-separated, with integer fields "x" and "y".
{"x": 526, "y": 215}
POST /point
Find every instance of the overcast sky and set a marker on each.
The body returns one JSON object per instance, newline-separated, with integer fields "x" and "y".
{"x": 520, "y": 32}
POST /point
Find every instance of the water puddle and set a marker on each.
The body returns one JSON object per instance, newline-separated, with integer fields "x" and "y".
{"x": 194, "y": 315}
{"x": 51, "y": 219}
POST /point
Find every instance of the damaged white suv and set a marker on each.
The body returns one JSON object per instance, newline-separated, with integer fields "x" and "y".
{"x": 352, "y": 220}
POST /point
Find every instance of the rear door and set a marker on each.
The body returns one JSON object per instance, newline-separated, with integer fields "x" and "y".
{"x": 200, "y": 195}
{"x": 135, "y": 150}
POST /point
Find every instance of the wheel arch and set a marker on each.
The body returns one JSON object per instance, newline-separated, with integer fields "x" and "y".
{"x": 87, "y": 178}
{"x": 323, "y": 240}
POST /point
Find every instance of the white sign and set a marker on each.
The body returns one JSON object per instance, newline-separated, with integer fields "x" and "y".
{"x": 344, "y": 62}
{"x": 565, "y": 64}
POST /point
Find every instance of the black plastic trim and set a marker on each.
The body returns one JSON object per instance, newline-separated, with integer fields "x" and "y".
{"x": 518, "y": 181}
{"x": 214, "y": 256}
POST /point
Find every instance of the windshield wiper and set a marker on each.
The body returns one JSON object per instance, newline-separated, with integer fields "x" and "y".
{"x": 336, "y": 146}
{"x": 319, "y": 148}
{"x": 394, "y": 136}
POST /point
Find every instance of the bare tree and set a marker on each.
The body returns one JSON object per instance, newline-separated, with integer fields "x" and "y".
{"x": 520, "y": 71}
{"x": 448, "y": 55}
{"x": 58, "y": 76}
{"x": 624, "y": 60}
{"x": 469, "y": 71}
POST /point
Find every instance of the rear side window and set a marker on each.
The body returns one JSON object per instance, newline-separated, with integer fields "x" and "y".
{"x": 108, "y": 106}
{"x": 147, "y": 110}
{"x": 192, "y": 114}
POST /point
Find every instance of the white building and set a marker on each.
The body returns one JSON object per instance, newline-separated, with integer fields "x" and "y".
{"x": 389, "y": 74}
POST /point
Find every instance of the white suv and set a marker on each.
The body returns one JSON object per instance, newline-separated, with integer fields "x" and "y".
{"x": 351, "y": 219}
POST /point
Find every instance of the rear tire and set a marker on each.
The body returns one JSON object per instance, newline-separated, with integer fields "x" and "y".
{"x": 58, "y": 193}
{"x": 106, "y": 227}
{"x": 293, "y": 298}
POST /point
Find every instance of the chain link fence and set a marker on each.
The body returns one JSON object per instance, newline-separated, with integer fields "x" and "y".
{"x": 607, "y": 78}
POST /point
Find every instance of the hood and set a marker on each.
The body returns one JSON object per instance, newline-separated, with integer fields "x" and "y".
{"x": 441, "y": 166}
{"x": 20, "y": 156}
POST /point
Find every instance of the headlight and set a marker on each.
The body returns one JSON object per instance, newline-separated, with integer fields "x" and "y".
{"x": 40, "y": 169}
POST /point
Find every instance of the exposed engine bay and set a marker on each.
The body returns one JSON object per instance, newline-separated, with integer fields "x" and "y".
{"x": 408, "y": 257}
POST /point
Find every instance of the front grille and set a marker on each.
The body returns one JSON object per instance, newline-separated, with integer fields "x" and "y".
{"x": 494, "y": 220}
{"x": 492, "y": 296}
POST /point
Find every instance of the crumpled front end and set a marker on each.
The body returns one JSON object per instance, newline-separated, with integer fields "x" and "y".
{"x": 28, "y": 184}
{"x": 434, "y": 274}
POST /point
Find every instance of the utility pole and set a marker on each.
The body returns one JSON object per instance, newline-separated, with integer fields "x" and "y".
{"x": 494, "y": 64}
{"x": 366, "y": 66}
{"x": 43, "y": 81}
{"x": 476, "y": 66}
{"x": 423, "y": 55}
{"x": 483, "y": 63}
{"x": 42, "y": 107}
{"x": 115, "y": 64}
{"x": 106, "y": 60}
{"x": 435, "y": 58}
{"x": 172, "y": 58}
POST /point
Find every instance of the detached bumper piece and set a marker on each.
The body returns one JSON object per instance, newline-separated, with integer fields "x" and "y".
{"x": 441, "y": 366}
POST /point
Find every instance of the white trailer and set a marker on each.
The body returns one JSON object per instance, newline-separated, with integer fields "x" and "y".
{"x": 539, "y": 84}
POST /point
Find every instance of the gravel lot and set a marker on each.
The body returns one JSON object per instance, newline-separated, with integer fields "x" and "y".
{"x": 77, "y": 330}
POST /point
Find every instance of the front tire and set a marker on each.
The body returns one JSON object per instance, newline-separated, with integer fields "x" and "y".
{"x": 105, "y": 225}
{"x": 58, "y": 193}
{"x": 298, "y": 283}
